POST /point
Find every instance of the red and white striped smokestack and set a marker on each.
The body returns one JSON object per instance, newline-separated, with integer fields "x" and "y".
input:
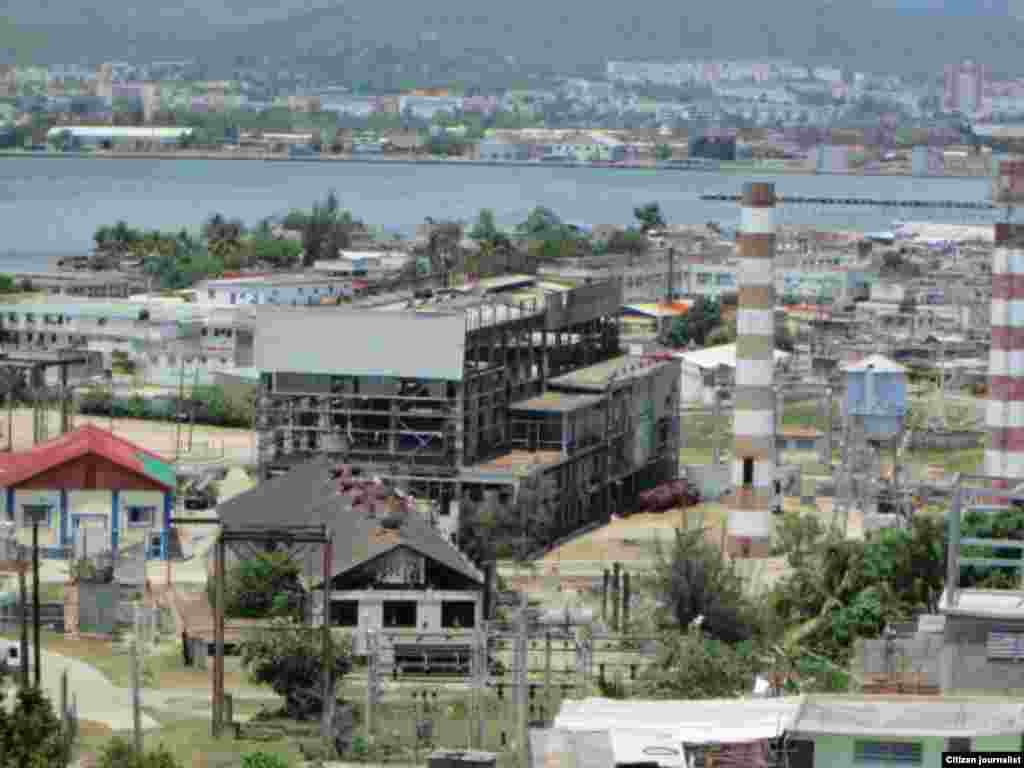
{"x": 1004, "y": 457}
{"x": 753, "y": 470}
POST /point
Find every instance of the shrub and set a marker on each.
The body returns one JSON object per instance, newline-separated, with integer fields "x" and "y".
{"x": 120, "y": 753}
{"x": 264, "y": 760}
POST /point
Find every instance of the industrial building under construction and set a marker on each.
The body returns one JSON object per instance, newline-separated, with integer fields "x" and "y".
{"x": 456, "y": 394}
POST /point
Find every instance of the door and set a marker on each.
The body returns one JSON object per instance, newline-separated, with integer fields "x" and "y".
{"x": 89, "y": 534}
{"x": 748, "y": 472}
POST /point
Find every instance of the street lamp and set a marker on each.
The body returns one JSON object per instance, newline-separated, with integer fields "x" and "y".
{"x": 9, "y": 528}
{"x": 36, "y": 514}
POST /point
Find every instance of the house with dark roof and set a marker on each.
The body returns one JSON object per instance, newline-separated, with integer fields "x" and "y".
{"x": 393, "y": 572}
{"x": 93, "y": 492}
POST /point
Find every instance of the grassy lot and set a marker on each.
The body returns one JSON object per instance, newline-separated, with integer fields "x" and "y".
{"x": 190, "y": 741}
{"x": 188, "y": 737}
{"x": 164, "y": 667}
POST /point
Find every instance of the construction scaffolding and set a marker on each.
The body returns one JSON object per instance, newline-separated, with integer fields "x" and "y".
{"x": 448, "y": 395}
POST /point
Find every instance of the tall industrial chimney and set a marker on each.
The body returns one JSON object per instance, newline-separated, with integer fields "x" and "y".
{"x": 1004, "y": 457}
{"x": 753, "y": 455}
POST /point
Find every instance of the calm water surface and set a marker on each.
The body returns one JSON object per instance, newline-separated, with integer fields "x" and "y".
{"x": 51, "y": 207}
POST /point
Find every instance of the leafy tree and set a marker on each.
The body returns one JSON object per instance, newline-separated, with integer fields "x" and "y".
{"x": 491, "y": 529}
{"x": 31, "y": 734}
{"x": 693, "y": 579}
{"x": 287, "y": 657}
{"x": 541, "y": 222}
{"x": 849, "y": 589}
{"x": 694, "y": 665}
{"x": 269, "y": 250}
{"x": 120, "y": 753}
{"x": 649, "y": 216}
{"x": 662, "y": 152}
{"x": 629, "y": 241}
{"x": 798, "y": 535}
{"x": 7, "y": 284}
{"x": 703, "y": 315}
{"x": 267, "y": 585}
{"x": 725, "y": 333}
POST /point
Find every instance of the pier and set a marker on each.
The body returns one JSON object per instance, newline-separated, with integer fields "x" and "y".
{"x": 865, "y": 201}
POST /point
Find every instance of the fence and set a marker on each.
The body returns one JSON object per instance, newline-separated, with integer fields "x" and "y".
{"x": 51, "y": 615}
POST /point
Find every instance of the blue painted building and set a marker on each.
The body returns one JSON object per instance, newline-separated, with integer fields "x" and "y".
{"x": 876, "y": 394}
{"x": 91, "y": 492}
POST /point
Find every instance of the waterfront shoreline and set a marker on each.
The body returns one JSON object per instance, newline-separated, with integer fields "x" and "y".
{"x": 417, "y": 160}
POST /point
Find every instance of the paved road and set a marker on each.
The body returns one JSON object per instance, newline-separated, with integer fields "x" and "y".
{"x": 97, "y": 698}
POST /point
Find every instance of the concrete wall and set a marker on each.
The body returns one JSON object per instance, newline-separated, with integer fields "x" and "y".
{"x": 918, "y": 654}
{"x": 965, "y": 663}
{"x": 710, "y": 480}
{"x": 946, "y": 441}
{"x": 838, "y": 751}
{"x": 428, "y": 610}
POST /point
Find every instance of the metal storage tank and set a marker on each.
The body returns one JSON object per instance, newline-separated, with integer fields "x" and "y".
{"x": 919, "y": 161}
{"x": 876, "y": 394}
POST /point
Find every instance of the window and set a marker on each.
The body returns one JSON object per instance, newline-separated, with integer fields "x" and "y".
{"x": 345, "y": 613}
{"x": 211, "y": 295}
{"x": 1005, "y": 646}
{"x": 458, "y": 614}
{"x": 41, "y": 512}
{"x": 400, "y": 613}
{"x": 887, "y": 752}
{"x": 140, "y": 516}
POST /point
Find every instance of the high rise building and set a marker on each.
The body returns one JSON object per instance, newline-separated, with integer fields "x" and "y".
{"x": 965, "y": 87}
{"x": 753, "y": 470}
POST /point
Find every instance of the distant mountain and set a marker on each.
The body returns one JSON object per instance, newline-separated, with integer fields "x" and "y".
{"x": 390, "y": 39}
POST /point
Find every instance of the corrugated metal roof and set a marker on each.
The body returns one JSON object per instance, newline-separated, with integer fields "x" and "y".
{"x": 555, "y": 402}
{"x": 114, "y": 310}
{"x": 595, "y": 378}
{"x": 724, "y": 354}
{"x": 309, "y": 495}
{"x": 359, "y": 343}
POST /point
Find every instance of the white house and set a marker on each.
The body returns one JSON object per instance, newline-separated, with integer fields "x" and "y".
{"x": 702, "y": 368}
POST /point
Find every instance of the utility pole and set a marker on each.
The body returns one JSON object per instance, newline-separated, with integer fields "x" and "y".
{"x": 326, "y": 651}
{"x": 522, "y": 687}
{"x": 37, "y": 638}
{"x": 218, "y": 634}
{"x": 372, "y": 683}
{"x": 177, "y": 416}
{"x": 192, "y": 402}
{"x": 480, "y": 682}
{"x": 136, "y": 684}
{"x": 23, "y": 588}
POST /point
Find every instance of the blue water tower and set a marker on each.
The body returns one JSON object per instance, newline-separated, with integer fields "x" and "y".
{"x": 876, "y": 396}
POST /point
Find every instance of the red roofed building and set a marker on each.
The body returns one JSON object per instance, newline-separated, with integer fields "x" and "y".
{"x": 102, "y": 493}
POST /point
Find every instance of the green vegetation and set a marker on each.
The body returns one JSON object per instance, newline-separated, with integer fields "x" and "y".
{"x": 264, "y": 586}
{"x": 695, "y": 326}
{"x": 264, "y": 760}
{"x": 120, "y": 753}
{"x": 288, "y": 658}
{"x": 31, "y": 733}
{"x": 211, "y": 404}
{"x": 840, "y": 590}
{"x": 649, "y": 215}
